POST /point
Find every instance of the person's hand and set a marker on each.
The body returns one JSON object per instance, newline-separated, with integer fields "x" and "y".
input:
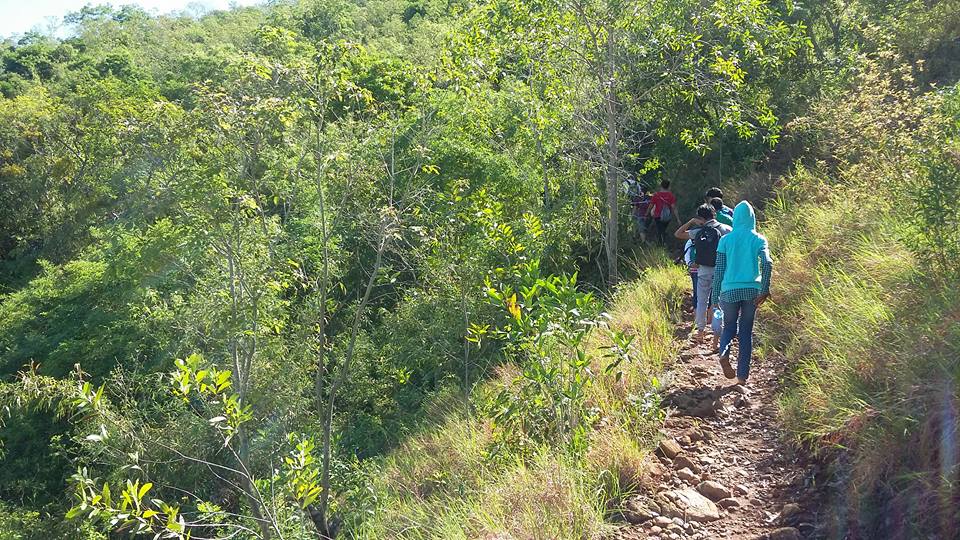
{"x": 761, "y": 299}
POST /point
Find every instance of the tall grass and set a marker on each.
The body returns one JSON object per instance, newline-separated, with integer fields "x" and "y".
{"x": 873, "y": 341}
{"x": 441, "y": 484}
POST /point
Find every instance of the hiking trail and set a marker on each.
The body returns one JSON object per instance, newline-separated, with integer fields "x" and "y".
{"x": 723, "y": 468}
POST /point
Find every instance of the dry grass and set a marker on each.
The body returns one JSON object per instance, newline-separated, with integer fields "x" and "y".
{"x": 874, "y": 353}
{"x": 441, "y": 485}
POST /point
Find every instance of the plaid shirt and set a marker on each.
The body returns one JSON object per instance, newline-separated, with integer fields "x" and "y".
{"x": 739, "y": 295}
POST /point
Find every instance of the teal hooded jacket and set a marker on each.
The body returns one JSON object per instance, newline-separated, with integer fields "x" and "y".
{"x": 745, "y": 250}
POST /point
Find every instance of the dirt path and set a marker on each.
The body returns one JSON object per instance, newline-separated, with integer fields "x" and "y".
{"x": 723, "y": 469}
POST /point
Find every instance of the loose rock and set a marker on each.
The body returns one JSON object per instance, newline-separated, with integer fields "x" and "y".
{"x": 729, "y": 502}
{"x": 691, "y": 505}
{"x": 669, "y": 448}
{"x": 655, "y": 469}
{"x": 640, "y": 509}
{"x": 683, "y": 462}
{"x": 790, "y": 513}
{"x": 785, "y": 533}
{"x": 714, "y": 490}
{"x": 687, "y": 475}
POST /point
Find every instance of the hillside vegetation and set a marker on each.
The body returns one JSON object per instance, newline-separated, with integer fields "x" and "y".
{"x": 867, "y": 309}
{"x": 365, "y": 269}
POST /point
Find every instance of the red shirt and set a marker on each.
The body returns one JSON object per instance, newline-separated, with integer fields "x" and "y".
{"x": 661, "y": 199}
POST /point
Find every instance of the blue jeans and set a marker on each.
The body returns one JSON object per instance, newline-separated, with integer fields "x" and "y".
{"x": 742, "y": 312}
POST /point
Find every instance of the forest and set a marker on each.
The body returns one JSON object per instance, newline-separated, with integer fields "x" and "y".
{"x": 367, "y": 269}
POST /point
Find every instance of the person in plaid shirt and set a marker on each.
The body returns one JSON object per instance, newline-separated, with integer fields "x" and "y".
{"x": 741, "y": 283}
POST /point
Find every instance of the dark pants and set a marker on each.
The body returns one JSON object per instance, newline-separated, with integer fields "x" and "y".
{"x": 694, "y": 277}
{"x": 738, "y": 313}
{"x": 662, "y": 231}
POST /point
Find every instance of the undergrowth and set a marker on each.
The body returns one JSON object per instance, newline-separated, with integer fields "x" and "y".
{"x": 445, "y": 483}
{"x": 868, "y": 315}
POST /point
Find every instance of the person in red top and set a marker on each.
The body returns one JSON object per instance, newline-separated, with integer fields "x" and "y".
{"x": 663, "y": 209}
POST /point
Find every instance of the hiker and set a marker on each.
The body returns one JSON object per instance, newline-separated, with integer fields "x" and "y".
{"x": 688, "y": 258}
{"x": 663, "y": 209}
{"x": 704, "y": 233}
{"x": 741, "y": 283}
{"x": 722, "y": 217}
{"x": 639, "y": 195}
{"x": 724, "y": 210}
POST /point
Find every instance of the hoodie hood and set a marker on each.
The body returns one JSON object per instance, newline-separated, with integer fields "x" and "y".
{"x": 744, "y": 218}
{"x": 744, "y": 249}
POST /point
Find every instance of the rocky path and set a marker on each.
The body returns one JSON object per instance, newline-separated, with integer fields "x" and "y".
{"x": 722, "y": 469}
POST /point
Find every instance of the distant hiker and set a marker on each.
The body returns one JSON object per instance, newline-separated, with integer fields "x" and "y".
{"x": 704, "y": 233}
{"x": 639, "y": 195}
{"x": 741, "y": 283}
{"x": 663, "y": 209}
{"x": 717, "y": 193}
{"x": 722, "y": 217}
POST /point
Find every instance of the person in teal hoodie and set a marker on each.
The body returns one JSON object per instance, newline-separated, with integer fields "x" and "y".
{"x": 741, "y": 283}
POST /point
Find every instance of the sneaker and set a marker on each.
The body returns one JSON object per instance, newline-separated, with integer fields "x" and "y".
{"x": 728, "y": 370}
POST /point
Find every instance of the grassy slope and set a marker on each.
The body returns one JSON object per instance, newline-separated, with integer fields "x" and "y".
{"x": 873, "y": 337}
{"x": 441, "y": 484}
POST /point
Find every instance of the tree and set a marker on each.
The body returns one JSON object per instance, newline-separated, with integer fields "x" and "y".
{"x": 641, "y": 71}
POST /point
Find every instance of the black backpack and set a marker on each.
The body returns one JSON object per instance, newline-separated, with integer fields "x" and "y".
{"x": 706, "y": 242}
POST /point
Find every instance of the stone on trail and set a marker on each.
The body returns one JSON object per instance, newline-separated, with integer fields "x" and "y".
{"x": 688, "y": 504}
{"x": 683, "y": 462}
{"x": 669, "y": 448}
{"x": 790, "y": 513}
{"x": 741, "y": 489}
{"x": 784, "y": 533}
{"x": 715, "y": 491}
{"x": 655, "y": 469}
{"x": 687, "y": 475}
{"x": 701, "y": 402}
{"x": 729, "y": 502}
{"x": 663, "y": 521}
{"x": 640, "y": 509}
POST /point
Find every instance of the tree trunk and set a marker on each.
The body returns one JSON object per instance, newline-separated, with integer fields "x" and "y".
{"x": 612, "y": 162}
{"x": 466, "y": 351}
{"x": 343, "y": 372}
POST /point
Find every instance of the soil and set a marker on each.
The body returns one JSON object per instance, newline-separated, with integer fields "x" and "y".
{"x": 724, "y": 468}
